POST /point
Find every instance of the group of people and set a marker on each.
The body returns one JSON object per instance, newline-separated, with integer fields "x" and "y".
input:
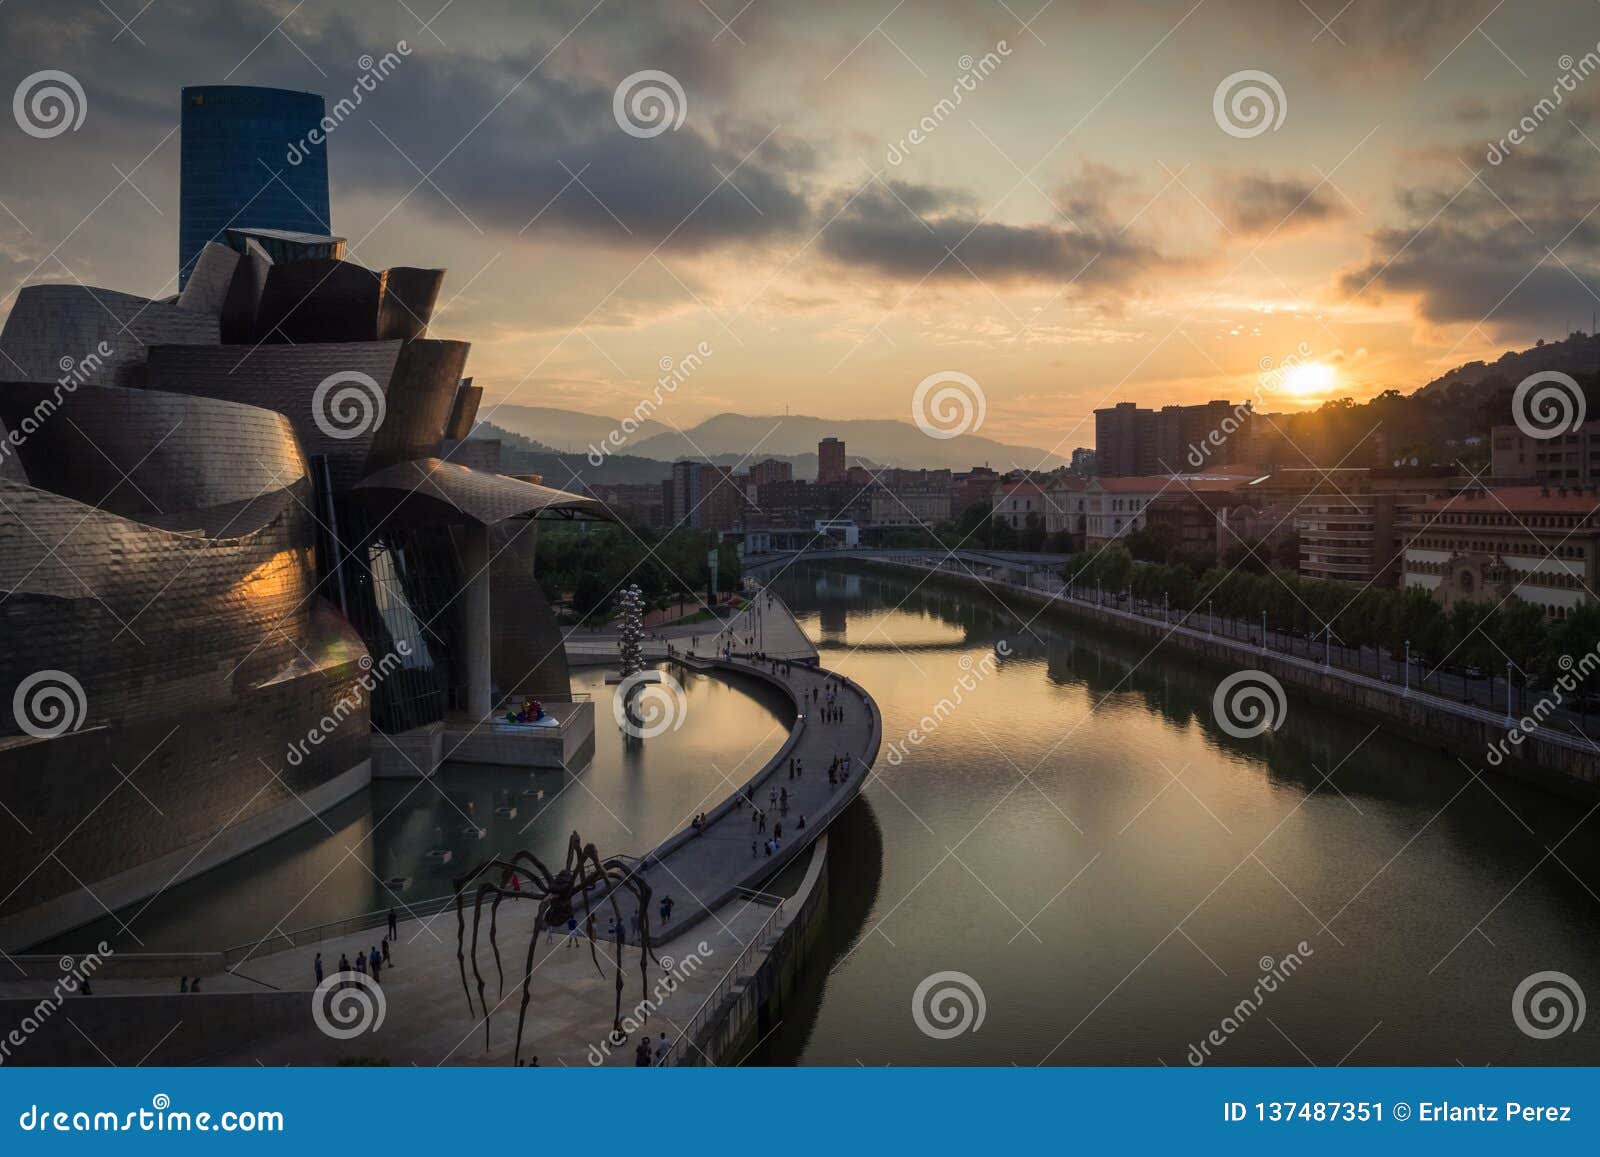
{"x": 644, "y": 1056}
{"x": 839, "y": 769}
{"x": 699, "y": 824}
{"x": 370, "y": 963}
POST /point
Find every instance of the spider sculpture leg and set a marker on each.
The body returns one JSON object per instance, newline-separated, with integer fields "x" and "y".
{"x": 527, "y": 974}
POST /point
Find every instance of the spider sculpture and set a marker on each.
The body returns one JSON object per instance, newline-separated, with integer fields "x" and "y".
{"x": 586, "y": 882}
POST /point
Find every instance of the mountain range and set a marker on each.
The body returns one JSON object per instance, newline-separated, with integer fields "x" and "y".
{"x": 731, "y": 438}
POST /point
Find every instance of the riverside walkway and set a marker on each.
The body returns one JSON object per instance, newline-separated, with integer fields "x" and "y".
{"x": 721, "y": 927}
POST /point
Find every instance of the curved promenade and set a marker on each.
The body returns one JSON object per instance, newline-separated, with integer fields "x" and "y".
{"x": 259, "y": 1009}
{"x": 702, "y": 870}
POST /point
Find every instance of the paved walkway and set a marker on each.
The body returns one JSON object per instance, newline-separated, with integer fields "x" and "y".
{"x": 708, "y": 876}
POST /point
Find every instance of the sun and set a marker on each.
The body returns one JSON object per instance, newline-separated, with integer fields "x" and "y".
{"x": 1309, "y": 378}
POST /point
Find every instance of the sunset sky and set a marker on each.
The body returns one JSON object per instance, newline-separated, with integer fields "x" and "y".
{"x": 1080, "y": 230}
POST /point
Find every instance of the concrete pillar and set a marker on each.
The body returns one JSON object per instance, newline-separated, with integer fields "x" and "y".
{"x": 475, "y": 573}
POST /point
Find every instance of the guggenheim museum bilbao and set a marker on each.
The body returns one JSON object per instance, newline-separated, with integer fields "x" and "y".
{"x": 249, "y": 556}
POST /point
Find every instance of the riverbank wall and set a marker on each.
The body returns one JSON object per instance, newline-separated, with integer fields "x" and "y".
{"x": 1565, "y": 765}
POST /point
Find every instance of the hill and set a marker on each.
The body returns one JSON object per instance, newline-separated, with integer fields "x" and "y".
{"x": 566, "y": 431}
{"x": 881, "y": 441}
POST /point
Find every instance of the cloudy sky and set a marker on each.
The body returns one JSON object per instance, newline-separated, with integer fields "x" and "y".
{"x": 1096, "y": 219}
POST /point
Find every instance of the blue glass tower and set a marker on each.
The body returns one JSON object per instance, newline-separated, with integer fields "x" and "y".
{"x": 249, "y": 159}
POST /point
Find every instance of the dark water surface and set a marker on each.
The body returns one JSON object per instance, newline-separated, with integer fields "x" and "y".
{"x": 628, "y": 799}
{"x": 1111, "y": 869}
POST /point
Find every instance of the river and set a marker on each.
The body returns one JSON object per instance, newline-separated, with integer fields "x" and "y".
{"x": 1117, "y": 875}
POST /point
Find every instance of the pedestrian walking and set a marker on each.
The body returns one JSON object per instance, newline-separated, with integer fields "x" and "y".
{"x": 384, "y": 944}
{"x": 361, "y": 962}
{"x": 316, "y": 967}
{"x": 394, "y": 930}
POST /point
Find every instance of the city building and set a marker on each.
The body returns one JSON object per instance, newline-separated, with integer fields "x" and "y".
{"x": 644, "y": 500}
{"x": 683, "y": 493}
{"x": 1131, "y": 441}
{"x": 972, "y": 488}
{"x": 1067, "y": 507}
{"x": 721, "y": 499}
{"x": 771, "y": 470}
{"x": 801, "y": 503}
{"x": 830, "y": 461}
{"x": 1020, "y": 504}
{"x": 1536, "y": 543}
{"x": 1566, "y": 459}
{"x": 1114, "y": 508}
{"x": 236, "y": 170}
{"x": 1350, "y": 519}
{"x": 910, "y": 498}
{"x": 1082, "y": 460}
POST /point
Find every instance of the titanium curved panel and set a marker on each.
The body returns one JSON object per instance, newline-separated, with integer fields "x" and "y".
{"x": 285, "y": 378}
{"x": 464, "y": 411}
{"x": 420, "y": 395}
{"x": 146, "y": 619}
{"x": 85, "y": 334}
{"x": 209, "y": 281}
{"x": 321, "y": 300}
{"x": 243, "y": 300}
{"x": 409, "y": 297}
{"x": 427, "y": 489}
{"x": 144, "y": 453}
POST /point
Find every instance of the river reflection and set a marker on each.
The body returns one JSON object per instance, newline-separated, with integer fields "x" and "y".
{"x": 371, "y": 851}
{"x": 1116, "y": 872}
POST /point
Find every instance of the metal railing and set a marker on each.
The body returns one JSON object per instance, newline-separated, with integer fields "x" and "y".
{"x": 744, "y": 964}
{"x": 279, "y": 940}
{"x": 1199, "y": 624}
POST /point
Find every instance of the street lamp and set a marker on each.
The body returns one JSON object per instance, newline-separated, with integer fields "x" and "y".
{"x": 1408, "y": 667}
{"x": 1508, "y": 690}
{"x": 1327, "y": 645}
{"x": 1211, "y": 617}
{"x": 1263, "y": 632}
